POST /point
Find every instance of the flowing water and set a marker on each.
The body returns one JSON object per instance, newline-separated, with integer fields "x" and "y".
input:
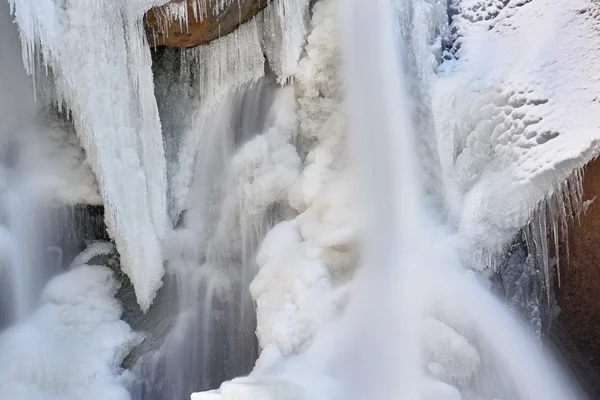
{"x": 417, "y": 265}
{"x": 212, "y": 260}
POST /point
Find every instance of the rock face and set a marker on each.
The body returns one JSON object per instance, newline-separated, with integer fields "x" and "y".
{"x": 163, "y": 28}
{"x": 579, "y": 294}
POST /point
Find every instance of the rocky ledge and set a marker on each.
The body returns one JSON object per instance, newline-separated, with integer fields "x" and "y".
{"x": 164, "y": 28}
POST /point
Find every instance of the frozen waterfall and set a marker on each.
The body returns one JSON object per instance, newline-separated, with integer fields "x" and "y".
{"x": 314, "y": 206}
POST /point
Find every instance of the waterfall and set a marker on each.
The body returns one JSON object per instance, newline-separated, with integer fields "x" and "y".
{"x": 418, "y": 324}
{"x": 282, "y": 217}
{"x": 212, "y": 254}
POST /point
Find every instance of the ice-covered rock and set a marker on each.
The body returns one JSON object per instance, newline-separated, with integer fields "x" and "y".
{"x": 516, "y": 110}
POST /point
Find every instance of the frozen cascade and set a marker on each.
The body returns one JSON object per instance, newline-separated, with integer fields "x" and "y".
{"x": 240, "y": 155}
{"x": 101, "y": 67}
{"x": 207, "y": 73}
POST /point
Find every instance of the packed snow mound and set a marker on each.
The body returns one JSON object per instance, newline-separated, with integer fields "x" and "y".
{"x": 71, "y": 348}
{"x": 516, "y": 109}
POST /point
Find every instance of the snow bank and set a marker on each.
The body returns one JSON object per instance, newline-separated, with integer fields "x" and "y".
{"x": 71, "y": 348}
{"x": 516, "y": 110}
{"x": 100, "y": 63}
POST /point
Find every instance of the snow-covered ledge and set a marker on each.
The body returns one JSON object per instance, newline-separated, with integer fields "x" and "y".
{"x": 517, "y": 110}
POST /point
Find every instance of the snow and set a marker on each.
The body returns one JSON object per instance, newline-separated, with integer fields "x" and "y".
{"x": 101, "y": 67}
{"x": 518, "y": 109}
{"x": 72, "y": 346}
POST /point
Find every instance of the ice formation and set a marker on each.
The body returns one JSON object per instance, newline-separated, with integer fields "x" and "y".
{"x": 71, "y": 348}
{"x": 281, "y": 25}
{"x": 100, "y": 64}
{"x": 302, "y": 262}
{"x": 505, "y": 103}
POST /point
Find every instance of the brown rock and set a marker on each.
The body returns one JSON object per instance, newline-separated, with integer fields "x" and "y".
{"x": 579, "y": 294}
{"x": 162, "y": 30}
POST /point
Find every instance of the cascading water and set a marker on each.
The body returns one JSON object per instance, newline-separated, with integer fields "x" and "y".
{"x": 212, "y": 255}
{"x": 427, "y": 279}
{"x": 21, "y": 274}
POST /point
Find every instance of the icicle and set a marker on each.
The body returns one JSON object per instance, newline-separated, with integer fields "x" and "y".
{"x": 529, "y": 242}
{"x": 554, "y": 218}
{"x": 543, "y": 239}
{"x": 560, "y": 207}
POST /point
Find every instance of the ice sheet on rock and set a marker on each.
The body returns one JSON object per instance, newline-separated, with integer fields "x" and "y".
{"x": 506, "y": 110}
{"x": 71, "y": 348}
{"x": 101, "y": 67}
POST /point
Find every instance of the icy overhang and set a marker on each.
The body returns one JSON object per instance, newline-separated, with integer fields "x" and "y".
{"x": 517, "y": 111}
